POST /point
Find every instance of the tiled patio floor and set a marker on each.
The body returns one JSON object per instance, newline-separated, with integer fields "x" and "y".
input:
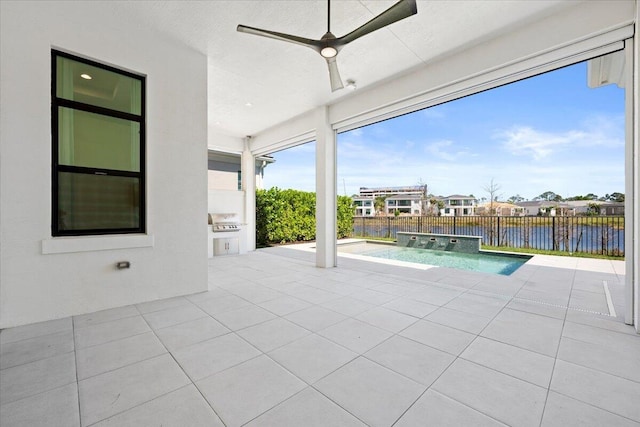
{"x": 278, "y": 342}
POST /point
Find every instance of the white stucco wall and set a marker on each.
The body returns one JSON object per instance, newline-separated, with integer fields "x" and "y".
{"x": 173, "y": 257}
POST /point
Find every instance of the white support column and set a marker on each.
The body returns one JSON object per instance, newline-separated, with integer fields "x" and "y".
{"x": 632, "y": 184}
{"x": 325, "y": 191}
{"x": 248, "y": 172}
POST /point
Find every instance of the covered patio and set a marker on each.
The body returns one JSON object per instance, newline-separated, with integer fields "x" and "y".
{"x": 279, "y": 342}
{"x": 141, "y": 328}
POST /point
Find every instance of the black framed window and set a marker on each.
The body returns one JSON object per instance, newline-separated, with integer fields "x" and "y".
{"x": 98, "y": 135}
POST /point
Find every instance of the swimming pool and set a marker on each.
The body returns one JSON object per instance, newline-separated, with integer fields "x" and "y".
{"x": 487, "y": 262}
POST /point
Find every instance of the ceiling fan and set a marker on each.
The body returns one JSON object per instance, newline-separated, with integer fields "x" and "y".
{"x": 329, "y": 45}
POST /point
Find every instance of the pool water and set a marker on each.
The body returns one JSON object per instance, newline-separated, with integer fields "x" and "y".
{"x": 486, "y": 262}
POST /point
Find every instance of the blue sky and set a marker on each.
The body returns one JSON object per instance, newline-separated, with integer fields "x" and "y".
{"x": 547, "y": 133}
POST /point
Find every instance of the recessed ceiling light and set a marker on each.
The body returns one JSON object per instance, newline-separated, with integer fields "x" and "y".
{"x": 248, "y": 104}
{"x": 86, "y": 76}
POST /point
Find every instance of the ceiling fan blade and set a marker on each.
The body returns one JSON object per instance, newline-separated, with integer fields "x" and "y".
{"x": 334, "y": 75}
{"x": 313, "y": 44}
{"x": 400, "y": 10}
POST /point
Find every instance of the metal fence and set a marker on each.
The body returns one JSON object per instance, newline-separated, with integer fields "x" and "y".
{"x": 594, "y": 234}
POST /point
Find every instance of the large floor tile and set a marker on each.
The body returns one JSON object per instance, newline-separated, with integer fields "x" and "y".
{"x": 106, "y": 357}
{"x": 272, "y": 334}
{"x": 161, "y": 304}
{"x": 312, "y": 357}
{"x": 104, "y": 316}
{"x": 435, "y": 409}
{"x": 602, "y": 322}
{"x": 434, "y": 295}
{"x": 480, "y": 305}
{"x": 54, "y": 408}
{"x": 543, "y": 309}
{"x": 529, "y": 331}
{"x": 612, "y": 359}
{"x": 184, "y": 334}
{"x": 411, "y": 307}
{"x": 284, "y": 305}
{"x": 33, "y": 349}
{"x": 355, "y": 335}
{"x": 589, "y": 301}
{"x": 309, "y": 409}
{"x": 213, "y": 292}
{"x": 603, "y": 337}
{"x": 515, "y": 361}
{"x": 505, "y": 398}
{"x": 35, "y": 330}
{"x": 256, "y": 294}
{"x": 508, "y": 286}
{"x": 605, "y": 391}
{"x": 387, "y": 319}
{"x": 183, "y": 407}
{"x": 467, "y": 322}
{"x": 116, "y": 391}
{"x": 371, "y": 392}
{"x": 37, "y": 377}
{"x": 562, "y": 411}
{"x": 416, "y": 361}
{"x": 314, "y": 295}
{"x": 213, "y": 306}
{"x": 373, "y": 297}
{"x": 554, "y": 298}
{"x": 348, "y": 306}
{"x": 173, "y": 316}
{"x": 110, "y": 331}
{"x": 243, "y": 392}
{"x": 315, "y": 318}
{"x": 244, "y": 317}
{"x": 442, "y": 337}
{"x": 214, "y": 355}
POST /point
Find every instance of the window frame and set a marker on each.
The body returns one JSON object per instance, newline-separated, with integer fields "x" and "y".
{"x": 56, "y": 167}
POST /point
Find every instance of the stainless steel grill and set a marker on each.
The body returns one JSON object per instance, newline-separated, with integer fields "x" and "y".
{"x": 224, "y": 222}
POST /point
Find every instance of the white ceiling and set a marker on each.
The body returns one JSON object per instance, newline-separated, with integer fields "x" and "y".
{"x": 281, "y": 80}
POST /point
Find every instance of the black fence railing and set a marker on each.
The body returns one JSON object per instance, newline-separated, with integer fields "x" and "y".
{"x": 593, "y": 234}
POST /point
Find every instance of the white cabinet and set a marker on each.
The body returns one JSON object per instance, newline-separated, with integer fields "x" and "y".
{"x": 226, "y": 246}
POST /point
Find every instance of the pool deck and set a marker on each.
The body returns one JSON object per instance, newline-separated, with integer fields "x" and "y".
{"x": 276, "y": 341}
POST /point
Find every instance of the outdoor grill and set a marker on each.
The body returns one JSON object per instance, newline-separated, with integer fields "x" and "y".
{"x": 224, "y": 222}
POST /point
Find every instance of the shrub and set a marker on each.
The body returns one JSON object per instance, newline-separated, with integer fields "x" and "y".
{"x": 289, "y": 216}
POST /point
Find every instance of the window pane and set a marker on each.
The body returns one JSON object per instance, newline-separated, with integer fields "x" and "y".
{"x": 97, "y": 202}
{"x": 104, "y": 88}
{"x": 97, "y": 141}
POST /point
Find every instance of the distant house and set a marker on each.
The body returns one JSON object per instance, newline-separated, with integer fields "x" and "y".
{"x": 582, "y": 207}
{"x": 547, "y": 208}
{"x": 612, "y": 208}
{"x": 365, "y": 206}
{"x": 500, "y": 209}
{"x": 409, "y": 204}
{"x": 392, "y": 191}
{"x": 457, "y": 205}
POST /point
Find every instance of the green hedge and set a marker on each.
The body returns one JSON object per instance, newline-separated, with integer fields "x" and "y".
{"x": 290, "y": 216}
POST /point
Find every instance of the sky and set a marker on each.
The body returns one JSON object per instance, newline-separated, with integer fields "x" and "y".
{"x": 547, "y": 133}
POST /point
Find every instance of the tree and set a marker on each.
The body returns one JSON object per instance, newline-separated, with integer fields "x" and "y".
{"x": 492, "y": 189}
{"x": 378, "y": 203}
{"x": 549, "y": 196}
{"x": 616, "y": 197}
{"x": 515, "y": 199}
{"x": 593, "y": 209}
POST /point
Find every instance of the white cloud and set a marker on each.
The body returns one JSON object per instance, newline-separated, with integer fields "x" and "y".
{"x": 539, "y": 144}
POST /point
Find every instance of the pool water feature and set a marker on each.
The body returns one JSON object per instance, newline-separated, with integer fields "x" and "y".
{"x": 486, "y": 262}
